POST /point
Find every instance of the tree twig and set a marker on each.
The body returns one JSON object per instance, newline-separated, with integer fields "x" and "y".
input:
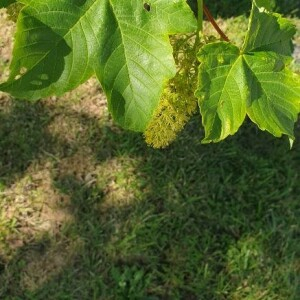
{"x": 214, "y": 24}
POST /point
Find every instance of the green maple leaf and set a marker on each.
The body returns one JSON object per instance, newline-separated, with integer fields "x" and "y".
{"x": 253, "y": 82}
{"x": 59, "y": 44}
{"x": 222, "y": 90}
{"x": 269, "y": 32}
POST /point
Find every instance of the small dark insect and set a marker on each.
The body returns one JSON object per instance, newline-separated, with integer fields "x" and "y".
{"x": 147, "y": 6}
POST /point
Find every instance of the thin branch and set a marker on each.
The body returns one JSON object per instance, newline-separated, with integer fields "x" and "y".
{"x": 213, "y": 22}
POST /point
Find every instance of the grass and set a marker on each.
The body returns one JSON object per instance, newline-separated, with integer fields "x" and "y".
{"x": 88, "y": 211}
{"x": 95, "y": 214}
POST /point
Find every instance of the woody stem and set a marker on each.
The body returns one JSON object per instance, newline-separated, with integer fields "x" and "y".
{"x": 214, "y": 24}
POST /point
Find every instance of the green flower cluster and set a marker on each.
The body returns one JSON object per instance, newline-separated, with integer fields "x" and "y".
{"x": 177, "y": 103}
{"x": 173, "y": 112}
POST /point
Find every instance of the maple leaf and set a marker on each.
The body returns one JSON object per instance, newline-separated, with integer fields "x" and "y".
{"x": 59, "y": 44}
{"x": 254, "y": 81}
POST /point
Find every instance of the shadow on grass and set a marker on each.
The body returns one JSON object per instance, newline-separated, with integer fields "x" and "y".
{"x": 22, "y": 136}
{"x": 189, "y": 222}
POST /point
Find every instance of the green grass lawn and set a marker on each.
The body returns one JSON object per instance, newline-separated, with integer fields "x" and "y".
{"x": 88, "y": 211}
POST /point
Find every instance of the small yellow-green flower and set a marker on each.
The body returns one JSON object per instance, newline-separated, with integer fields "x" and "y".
{"x": 177, "y": 103}
{"x": 172, "y": 113}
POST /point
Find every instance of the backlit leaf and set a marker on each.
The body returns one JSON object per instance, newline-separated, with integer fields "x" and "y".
{"x": 233, "y": 84}
{"x": 255, "y": 81}
{"x": 269, "y": 32}
{"x": 222, "y": 90}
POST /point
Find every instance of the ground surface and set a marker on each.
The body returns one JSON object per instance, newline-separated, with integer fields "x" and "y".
{"x": 88, "y": 211}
